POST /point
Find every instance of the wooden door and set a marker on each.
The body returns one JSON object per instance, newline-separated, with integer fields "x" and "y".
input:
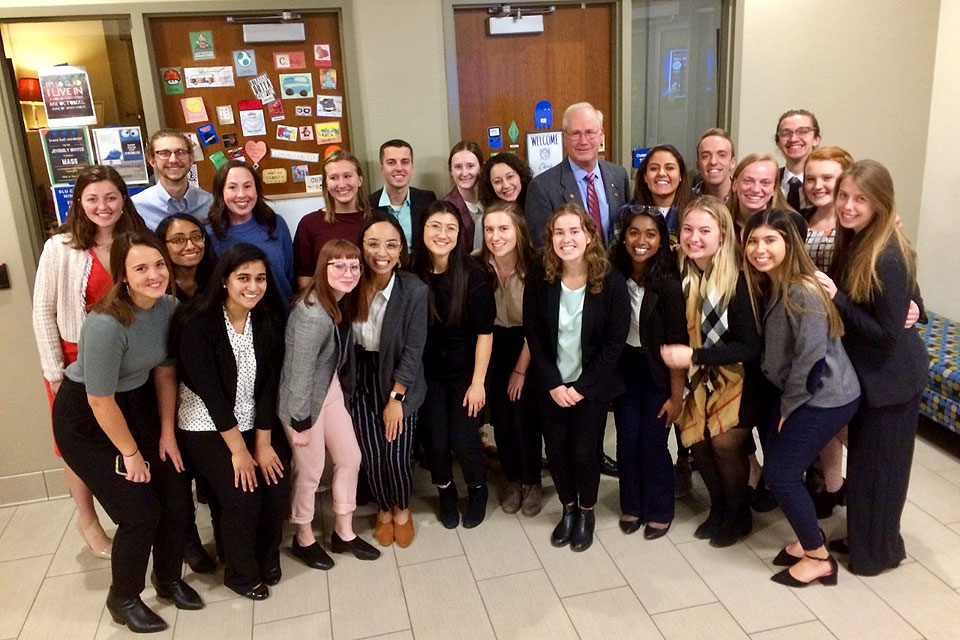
{"x": 501, "y": 78}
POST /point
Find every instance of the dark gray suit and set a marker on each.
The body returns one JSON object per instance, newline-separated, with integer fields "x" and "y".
{"x": 557, "y": 186}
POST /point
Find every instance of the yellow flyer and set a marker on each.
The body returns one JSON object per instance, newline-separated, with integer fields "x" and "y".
{"x": 328, "y": 132}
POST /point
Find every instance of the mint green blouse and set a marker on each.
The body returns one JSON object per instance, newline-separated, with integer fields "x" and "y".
{"x": 569, "y": 325}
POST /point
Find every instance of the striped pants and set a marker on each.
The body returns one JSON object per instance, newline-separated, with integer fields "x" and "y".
{"x": 388, "y": 465}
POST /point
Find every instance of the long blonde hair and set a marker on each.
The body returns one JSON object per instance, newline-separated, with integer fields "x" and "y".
{"x": 724, "y": 268}
{"x": 598, "y": 265}
{"x": 859, "y": 262}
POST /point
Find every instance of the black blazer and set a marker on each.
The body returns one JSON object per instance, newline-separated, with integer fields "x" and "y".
{"x": 419, "y": 200}
{"x": 663, "y": 320}
{"x": 891, "y": 362}
{"x": 606, "y": 320}
{"x": 205, "y": 363}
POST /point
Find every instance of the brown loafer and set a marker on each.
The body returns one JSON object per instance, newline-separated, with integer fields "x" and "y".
{"x": 403, "y": 533}
{"x": 384, "y": 533}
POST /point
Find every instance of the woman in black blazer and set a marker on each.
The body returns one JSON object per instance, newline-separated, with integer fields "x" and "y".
{"x": 872, "y": 284}
{"x": 229, "y": 345}
{"x": 654, "y": 394}
{"x": 576, "y": 313}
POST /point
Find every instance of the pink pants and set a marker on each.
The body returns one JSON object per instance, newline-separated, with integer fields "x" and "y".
{"x": 333, "y": 432}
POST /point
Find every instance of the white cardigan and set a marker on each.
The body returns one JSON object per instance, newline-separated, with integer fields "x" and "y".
{"x": 59, "y": 300}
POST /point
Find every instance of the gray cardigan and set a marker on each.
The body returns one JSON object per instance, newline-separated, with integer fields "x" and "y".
{"x": 802, "y": 360}
{"x": 311, "y": 359}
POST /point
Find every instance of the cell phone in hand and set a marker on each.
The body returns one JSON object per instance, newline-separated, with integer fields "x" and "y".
{"x": 121, "y": 469}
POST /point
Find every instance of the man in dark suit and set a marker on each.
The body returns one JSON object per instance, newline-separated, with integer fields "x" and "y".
{"x": 798, "y": 134}
{"x": 600, "y": 187}
{"x": 397, "y": 197}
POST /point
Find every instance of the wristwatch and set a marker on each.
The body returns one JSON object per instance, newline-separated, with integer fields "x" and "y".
{"x": 398, "y": 396}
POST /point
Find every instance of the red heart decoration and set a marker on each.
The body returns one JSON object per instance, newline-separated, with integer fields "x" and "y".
{"x": 255, "y": 150}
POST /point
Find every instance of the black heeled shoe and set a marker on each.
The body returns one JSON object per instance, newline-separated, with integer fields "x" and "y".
{"x": 824, "y": 501}
{"x": 258, "y": 591}
{"x": 828, "y": 580}
{"x": 630, "y": 526}
{"x": 582, "y": 536}
{"x": 360, "y": 548}
{"x": 312, "y": 555}
{"x": 652, "y": 533}
{"x": 564, "y": 529}
{"x": 785, "y": 559}
{"x": 179, "y": 592}
{"x": 133, "y": 613}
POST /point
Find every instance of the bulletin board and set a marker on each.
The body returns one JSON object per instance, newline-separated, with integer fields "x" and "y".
{"x": 203, "y": 72}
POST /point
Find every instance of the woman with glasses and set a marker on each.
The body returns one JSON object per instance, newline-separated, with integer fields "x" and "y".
{"x": 187, "y": 244}
{"x": 390, "y": 329}
{"x": 313, "y": 408}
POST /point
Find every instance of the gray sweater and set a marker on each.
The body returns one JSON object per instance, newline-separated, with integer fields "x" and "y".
{"x": 801, "y": 359}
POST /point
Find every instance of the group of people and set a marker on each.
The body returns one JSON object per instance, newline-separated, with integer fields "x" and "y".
{"x": 186, "y": 336}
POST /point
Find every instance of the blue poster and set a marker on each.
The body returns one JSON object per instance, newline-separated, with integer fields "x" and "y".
{"x": 494, "y": 139}
{"x": 543, "y": 115}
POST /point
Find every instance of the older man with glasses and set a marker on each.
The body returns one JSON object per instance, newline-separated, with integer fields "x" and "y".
{"x": 170, "y": 153}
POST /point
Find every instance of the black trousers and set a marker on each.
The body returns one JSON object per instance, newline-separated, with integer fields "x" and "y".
{"x": 448, "y": 428}
{"x": 250, "y": 522}
{"x": 516, "y": 425}
{"x": 148, "y": 515}
{"x": 879, "y": 459}
{"x": 570, "y": 435}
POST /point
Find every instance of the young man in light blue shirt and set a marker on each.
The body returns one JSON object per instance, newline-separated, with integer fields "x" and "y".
{"x": 170, "y": 153}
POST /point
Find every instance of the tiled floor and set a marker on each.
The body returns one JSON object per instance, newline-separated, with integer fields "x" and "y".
{"x": 504, "y": 580}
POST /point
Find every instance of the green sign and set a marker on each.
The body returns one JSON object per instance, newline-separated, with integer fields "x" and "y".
{"x": 513, "y": 131}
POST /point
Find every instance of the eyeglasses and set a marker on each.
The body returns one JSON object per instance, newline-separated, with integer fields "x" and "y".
{"x": 436, "y": 227}
{"x": 390, "y": 245}
{"x": 589, "y": 134}
{"x": 786, "y": 134}
{"x": 340, "y": 268}
{"x": 166, "y": 153}
{"x": 179, "y": 241}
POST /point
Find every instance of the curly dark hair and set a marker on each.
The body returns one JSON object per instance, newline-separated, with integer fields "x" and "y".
{"x": 487, "y": 195}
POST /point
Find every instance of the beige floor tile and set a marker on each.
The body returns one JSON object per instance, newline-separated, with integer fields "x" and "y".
{"x": 5, "y": 514}
{"x": 742, "y": 583}
{"x": 442, "y": 595}
{"x": 803, "y": 631}
{"x": 707, "y": 622}
{"x": 68, "y": 607}
{"x": 572, "y": 573}
{"x": 952, "y": 475}
{"x": 399, "y": 635}
{"x": 315, "y": 626}
{"x": 227, "y": 619}
{"x": 525, "y": 606}
{"x": 922, "y": 599}
{"x": 110, "y": 630}
{"x": 73, "y": 556}
{"x": 955, "y": 527}
{"x": 932, "y": 544}
{"x": 432, "y": 541}
{"x": 934, "y": 494}
{"x": 20, "y": 581}
{"x": 934, "y": 457}
{"x": 35, "y": 529}
{"x": 610, "y": 614}
{"x": 366, "y": 598}
{"x": 301, "y": 591}
{"x": 660, "y": 576}
{"x": 498, "y": 547}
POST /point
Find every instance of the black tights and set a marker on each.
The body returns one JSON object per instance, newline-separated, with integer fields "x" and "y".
{"x": 724, "y": 465}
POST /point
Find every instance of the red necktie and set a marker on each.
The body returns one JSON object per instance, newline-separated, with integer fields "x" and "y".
{"x": 593, "y": 204}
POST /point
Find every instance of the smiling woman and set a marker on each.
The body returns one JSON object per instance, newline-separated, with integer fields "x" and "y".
{"x": 663, "y": 182}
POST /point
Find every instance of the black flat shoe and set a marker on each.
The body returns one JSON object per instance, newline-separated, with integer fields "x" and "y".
{"x": 476, "y": 506}
{"x": 133, "y": 613}
{"x": 197, "y": 557}
{"x": 448, "y": 514}
{"x": 608, "y": 467}
{"x": 582, "y": 536}
{"x": 272, "y": 576}
{"x": 360, "y": 548}
{"x": 839, "y": 546}
{"x": 652, "y": 533}
{"x": 179, "y": 592}
{"x": 258, "y": 591}
{"x": 829, "y": 580}
{"x": 312, "y": 555}
{"x": 630, "y": 526}
{"x": 564, "y": 529}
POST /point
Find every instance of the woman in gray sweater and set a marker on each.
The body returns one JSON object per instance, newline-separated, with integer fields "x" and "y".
{"x": 804, "y": 358}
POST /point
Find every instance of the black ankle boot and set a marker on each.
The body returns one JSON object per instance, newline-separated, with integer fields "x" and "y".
{"x": 476, "y": 506}
{"x": 718, "y": 511}
{"x": 825, "y": 501}
{"x": 133, "y": 613}
{"x": 737, "y": 524}
{"x": 177, "y": 591}
{"x": 564, "y": 529}
{"x": 582, "y": 536}
{"x": 449, "y": 515}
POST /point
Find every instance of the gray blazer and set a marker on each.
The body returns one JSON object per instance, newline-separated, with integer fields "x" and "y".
{"x": 802, "y": 360}
{"x": 311, "y": 359}
{"x": 557, "y": 186}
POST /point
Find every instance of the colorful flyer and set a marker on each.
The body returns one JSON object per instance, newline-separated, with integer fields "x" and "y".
{"x": 172, "y": 78}
{"x": 208, "y": 135}
{"x": 289, "y": 134}
{"x": 234, "y": 152}
{"x": 321, "y": 57}
{"x": 328, "y": 79}
{"x": 328, "y": 132}
{"x": 299, "y": 172}
{"x": 66, "y": 151}
{"x": 274, "y": 176}
{"x": 225, "y": 114}
{"x": 306, "y": 132}
{"x": 314, "y": 184}
{"x": 252, "y": 122}
{"x": 195, "y": 144}
{"x": 193, "y": 110}
{"x": 201, "y": 43}
{"x": 122, "y": 149}
{"x": 67, "y": 98}
{"x": 208, "y": 77}
{"x": 262, "y": 87}
{"x": 303, "y": 111}
{"x": 255, "y": 150}
{"x": 296, "y": 85}
{"x": 218, "y": 158}
{"x": 275, "y": 109}
{"x": 229, "y": 139}
{"x": 245, "y": 62}
{"x": 299, "y": 156}
{"x": 330, "y": 106}
{"x": 289, "y": 60}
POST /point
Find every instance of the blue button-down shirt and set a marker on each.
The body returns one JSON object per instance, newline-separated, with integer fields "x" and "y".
{"x": 154, "y": 204}
{"x": 581, "y": 177}
{"x": 402, "y": 213}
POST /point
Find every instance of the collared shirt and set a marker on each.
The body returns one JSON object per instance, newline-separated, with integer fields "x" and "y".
{"x": 154, "y": 204}
{"x": 785, "y": 185}
{"x": 636, "y": 301}
{"x": 401, "y": 213}
{"x": 508, "y": 297}
{"x": 367, "y": 333}
{"x": 581, "y": 177}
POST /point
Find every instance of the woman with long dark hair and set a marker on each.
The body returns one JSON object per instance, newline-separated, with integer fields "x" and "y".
{"x": 190, "y": 251}
{"x": 663, "y": 182}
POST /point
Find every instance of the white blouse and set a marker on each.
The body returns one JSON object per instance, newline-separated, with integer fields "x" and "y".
{"x": 367, "y": 333}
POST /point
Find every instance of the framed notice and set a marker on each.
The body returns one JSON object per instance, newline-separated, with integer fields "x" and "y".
{"x": 67, "y": 98}
{"x": 122, "y": 149}
{"x": 67, "y": 151}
